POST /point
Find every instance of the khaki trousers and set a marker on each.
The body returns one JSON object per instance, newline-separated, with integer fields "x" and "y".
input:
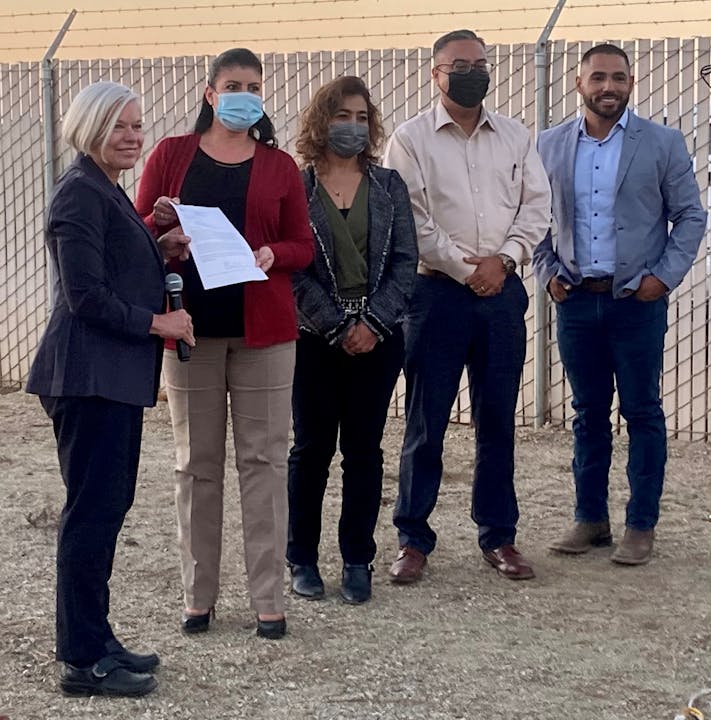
{"x": 258, "y": 382}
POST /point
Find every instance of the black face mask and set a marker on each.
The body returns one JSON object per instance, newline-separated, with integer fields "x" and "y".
{"x": 468, "y": 90}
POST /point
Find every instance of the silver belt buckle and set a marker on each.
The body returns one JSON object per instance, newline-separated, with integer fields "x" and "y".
{"x": 353, "y": 306}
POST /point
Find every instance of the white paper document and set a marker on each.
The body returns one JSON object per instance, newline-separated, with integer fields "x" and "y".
{"x": 222, "y": 255}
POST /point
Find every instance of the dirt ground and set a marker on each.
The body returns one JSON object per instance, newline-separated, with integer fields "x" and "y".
{"x": 585, "y": 639}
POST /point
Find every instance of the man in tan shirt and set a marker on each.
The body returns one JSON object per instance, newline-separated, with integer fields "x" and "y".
{"x": 481, "y": 202}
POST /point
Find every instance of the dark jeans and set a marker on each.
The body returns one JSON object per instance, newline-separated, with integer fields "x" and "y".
{"x": 602, "y": 340}
{"x": 449, "y": 328}
{"x": 333, "y": 389}
{"x": 98, "y": 443}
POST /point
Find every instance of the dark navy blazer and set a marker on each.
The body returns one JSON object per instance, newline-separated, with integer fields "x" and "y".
{"x": 109, "y": 282}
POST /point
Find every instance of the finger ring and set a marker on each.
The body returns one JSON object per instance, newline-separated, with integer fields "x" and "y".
{"x": 482, "y": 289}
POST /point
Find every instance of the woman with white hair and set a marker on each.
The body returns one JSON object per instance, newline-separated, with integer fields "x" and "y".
{"x": 96, "y": 368}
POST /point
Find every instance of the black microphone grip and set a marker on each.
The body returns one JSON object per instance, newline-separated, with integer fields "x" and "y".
{"x": 174, "y": 286}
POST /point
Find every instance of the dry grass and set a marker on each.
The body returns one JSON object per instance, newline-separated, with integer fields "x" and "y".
{"x": 585, "y": 639}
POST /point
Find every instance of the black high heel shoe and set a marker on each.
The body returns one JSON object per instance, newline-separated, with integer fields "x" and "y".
{"x": 192, "y": 624}
{"x": 271, "y": 629}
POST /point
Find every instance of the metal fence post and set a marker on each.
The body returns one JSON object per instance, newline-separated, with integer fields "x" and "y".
{"x": 48, "y": 113}
{"x": 540, "y": 307}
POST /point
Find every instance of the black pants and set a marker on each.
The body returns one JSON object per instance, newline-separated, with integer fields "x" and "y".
{"x": 98, "y": 443}
{"x": 333, "y": 389}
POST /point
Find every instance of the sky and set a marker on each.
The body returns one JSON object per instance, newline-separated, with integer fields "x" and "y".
{"x": 156, "y": 28}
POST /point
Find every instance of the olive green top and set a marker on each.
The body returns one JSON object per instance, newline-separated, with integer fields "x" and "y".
{"x": 350, "y": 241}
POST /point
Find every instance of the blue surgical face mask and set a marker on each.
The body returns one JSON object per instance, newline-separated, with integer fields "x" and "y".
{"x": 238, "y": 111}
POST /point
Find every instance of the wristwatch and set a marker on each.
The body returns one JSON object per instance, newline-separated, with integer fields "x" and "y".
{"x": 508, "y": 262}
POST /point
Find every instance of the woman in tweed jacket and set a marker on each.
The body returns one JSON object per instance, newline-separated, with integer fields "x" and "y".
{"x": 351, "y": 302}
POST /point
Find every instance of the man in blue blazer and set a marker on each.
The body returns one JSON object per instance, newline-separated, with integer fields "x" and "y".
{"x": 629, "y": 223}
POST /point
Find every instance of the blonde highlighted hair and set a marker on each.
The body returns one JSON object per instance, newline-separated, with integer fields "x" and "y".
{"x": 93, "y": 113}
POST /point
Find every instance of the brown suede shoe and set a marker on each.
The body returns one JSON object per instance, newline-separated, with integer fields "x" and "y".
{"x": 408, "y": 567}
{"x": 582, "y": 536}
{"x": 635, "y": 548}
{"x": 509, "y": 562}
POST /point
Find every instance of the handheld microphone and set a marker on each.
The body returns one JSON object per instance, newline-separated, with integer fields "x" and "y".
{"x": 174, "y": 288}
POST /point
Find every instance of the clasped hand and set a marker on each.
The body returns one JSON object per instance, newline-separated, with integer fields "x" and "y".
{"x": 489, "y": 277}
{"x": 359, "y": 339}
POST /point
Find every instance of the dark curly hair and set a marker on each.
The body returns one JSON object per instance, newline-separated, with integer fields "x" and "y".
{"x": 263, "y": 130}
{"x": 312, "y": 141}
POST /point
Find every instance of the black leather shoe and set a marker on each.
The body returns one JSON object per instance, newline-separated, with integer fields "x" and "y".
{"x": 271, "y": 629}
{"x": 355, "y": 586}
{"x": 192, "y": 624}
{"x": 132, "y": 661}
{"x": 105, "y": 677}
{"x": 306, "y": 581}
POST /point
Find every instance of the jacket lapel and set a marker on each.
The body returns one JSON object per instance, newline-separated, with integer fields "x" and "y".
{"x": 127, "y": 206}
{"x": 380, "y": 213}
{"x": 319, "y": 221}
{"x": 569, "y": 149}
{"x": 120, "y": 198}
{"x": 630, "y": 144}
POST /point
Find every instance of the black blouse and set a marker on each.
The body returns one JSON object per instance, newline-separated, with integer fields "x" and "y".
{"x": 218, "y": 312}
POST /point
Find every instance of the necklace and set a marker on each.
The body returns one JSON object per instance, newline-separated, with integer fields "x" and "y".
{"x": 338, "y": 196}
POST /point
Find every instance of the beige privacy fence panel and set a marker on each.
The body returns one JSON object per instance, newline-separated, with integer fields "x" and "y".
{"x": 668, "y": 90}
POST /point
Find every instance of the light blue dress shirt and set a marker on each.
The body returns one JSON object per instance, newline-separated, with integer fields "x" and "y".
{"x": 596, "y": 163}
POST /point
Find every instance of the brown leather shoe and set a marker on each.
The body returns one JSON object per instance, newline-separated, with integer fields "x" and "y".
{"x": 582, "y": 536}
{"x": 509, "y": 562}
{"x": 408, "y": 567}
{"x": 635, "y": 548}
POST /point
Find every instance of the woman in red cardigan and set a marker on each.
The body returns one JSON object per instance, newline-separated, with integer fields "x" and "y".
{"x": 245, "y": 337}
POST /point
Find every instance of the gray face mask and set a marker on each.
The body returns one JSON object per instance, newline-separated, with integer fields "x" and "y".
{"x": 348, "y": 139}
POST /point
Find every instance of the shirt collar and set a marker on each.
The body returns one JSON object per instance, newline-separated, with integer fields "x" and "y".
{"x": 442, "y": 118}
{"x": 622, "y": 123}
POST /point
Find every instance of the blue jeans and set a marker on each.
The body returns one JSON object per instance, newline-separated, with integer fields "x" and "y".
{"x": 447, "y": 329}
{"x": 602, "y": 341}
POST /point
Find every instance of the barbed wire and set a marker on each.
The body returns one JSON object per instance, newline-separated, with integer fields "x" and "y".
{"x": 173, "y": 8}
{"x": 627, "y": 3}
{"x": 280, "y": 21}
{"x": 346, "y": 36}
{"x": 336, "y": 18}
{"x": 271, "y": 3}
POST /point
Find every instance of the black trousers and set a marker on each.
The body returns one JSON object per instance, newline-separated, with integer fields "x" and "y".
{"x": 334, "y": 390}
{"x": 98, "y": 443}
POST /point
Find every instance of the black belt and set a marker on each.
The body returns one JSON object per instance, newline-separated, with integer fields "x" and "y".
{"x": 598, "y": 285}
{"x": 429, "y": 272}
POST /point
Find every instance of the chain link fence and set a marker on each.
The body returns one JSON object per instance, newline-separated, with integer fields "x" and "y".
{"x": 667, "y": 90}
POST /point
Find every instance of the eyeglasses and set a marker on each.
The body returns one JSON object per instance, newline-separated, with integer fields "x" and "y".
{"x": 463, "y": 67}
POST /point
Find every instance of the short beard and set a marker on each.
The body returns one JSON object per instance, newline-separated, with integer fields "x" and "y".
{"x": 615, "y": 114}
